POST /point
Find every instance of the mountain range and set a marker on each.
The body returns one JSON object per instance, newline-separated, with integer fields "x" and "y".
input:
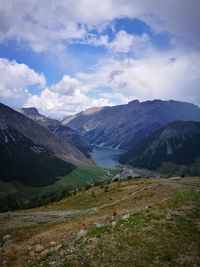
{"x": 36, "y": 151}
{"x": 31, "y": 153}
{"x": 123, "y": 126}
{"x": 56, "y": 127}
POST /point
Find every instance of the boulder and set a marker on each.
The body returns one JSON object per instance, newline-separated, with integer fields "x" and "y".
{"x": 6, "y": 237}
{"x": 113, "y": 224}
{"x": 38, "y": 248}
{"x": 81, "y": 233}
{"x": 53, "y": 243}
{"x": 126, "y": 216}
{"x": 98, "y": 225}
{"x": 7, "y": 245}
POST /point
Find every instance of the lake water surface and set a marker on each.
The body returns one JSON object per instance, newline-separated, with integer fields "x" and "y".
{"x": 106, "y": 157}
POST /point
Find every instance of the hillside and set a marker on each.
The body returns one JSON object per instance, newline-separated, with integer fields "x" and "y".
{"x": 34, "y": 162}
{"x": 56, "y": 127}
{"x": 41, "y": 136}
{"x": 178, "y": 143}
{"x": 124, "y": 126}
{"x": 138, "y": 222}
{"x": 24, "y": 161}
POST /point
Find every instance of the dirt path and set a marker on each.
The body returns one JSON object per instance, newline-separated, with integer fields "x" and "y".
{"x": 17, "y": 219}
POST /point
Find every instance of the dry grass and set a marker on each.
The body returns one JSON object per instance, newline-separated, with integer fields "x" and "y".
{"x": 119, "y": 198}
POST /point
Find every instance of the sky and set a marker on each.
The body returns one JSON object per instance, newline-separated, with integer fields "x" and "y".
{"x": 65, "y": 56}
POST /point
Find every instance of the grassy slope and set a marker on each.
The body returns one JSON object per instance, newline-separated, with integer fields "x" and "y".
{"x": 163, "y": 229}
{"x": 165, "y": 235}
{"x": 77, "y": 178}
{"x": 170, "y": 168}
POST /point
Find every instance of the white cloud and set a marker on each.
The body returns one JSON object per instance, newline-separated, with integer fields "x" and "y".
{"x": 125, "y": 42}
{"x": 122, "y": 42}
{"x": 164, "y": 76}
{"x": 65, "y": 98}
{"x": 49, "y": 24}
{"x": 15, "y": 81}
{"x": 69, "y": 86}
{"x": 156, "y": 76}
{"x": 92, "y": 39}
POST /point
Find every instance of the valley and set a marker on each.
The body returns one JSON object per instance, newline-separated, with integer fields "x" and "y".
{"x": 69, "y": 200}
{"x": 99, "y": 133}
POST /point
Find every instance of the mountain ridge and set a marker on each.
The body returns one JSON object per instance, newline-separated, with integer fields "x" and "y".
{"x": 123, "y": 126}
{"x": 178, "y": 142}
{"x": 40, "y": 135}
{"x": 56, "y": 127}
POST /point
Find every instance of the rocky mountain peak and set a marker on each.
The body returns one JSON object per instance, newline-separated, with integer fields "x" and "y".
{"x": 31, "y": 111}
{"x": 134, "y": 102}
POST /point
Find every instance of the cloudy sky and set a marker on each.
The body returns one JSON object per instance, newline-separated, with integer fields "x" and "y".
{"x": 65, "y": 56}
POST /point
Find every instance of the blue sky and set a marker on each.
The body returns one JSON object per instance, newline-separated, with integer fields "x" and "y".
{"x": 65, "y": 56}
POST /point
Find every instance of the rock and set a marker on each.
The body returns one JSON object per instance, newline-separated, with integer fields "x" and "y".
{"x": 70, "y": 250}
{"x": 29, "y": 248}
{"x": 98, "y": 225}
{"x": 168, "y": 216}
{"x": 32, "y": 253}
{"x": 92, "y": 241}
{"x": 81, "y": 233}
{"x": 52, "y": 263}
{"x": 116, "y": 177}
{"x": 113, "y": 224}
{"x": 7, "y": 245}
{"x": 38, "y": 248}
{"x": 126, "y": 216}
{"x": 125, "y": 174}
{"x": 6, "y": 237}
{"x": 53, "y": 243}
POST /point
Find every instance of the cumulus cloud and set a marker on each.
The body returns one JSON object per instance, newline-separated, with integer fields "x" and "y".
{"x": 156, "y": 76}
{"x": 15, "y": 80}
{"x": 66, "y": 97}
{"x": 147, "y": 74}
{"x": 70, "y": 86}
{"x": 166, "y": 76}
{"x": 50, "y": 24}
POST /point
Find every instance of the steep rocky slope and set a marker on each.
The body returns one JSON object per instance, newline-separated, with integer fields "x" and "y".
{"x": 55, "y": 126}
{"x": 124, "y": 126}
{"x": 41, "y": 136}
